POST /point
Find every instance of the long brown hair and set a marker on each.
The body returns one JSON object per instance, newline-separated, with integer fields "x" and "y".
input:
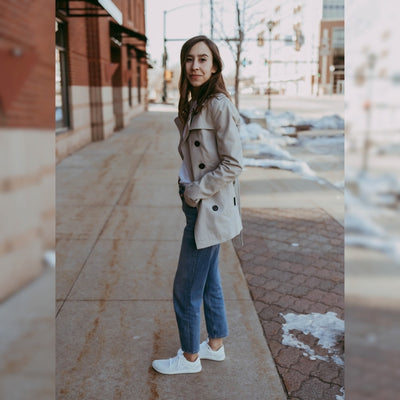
{"x": 213, "y": 86}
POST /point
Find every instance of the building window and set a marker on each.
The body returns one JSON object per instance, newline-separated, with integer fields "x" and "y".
{"x": 62, "y": 108}
{"x": 333, "y": 10}
{"x": 338, "y": 38}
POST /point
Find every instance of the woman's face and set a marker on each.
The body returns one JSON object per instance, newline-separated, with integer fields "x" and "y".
{"x": 199, "y": 65}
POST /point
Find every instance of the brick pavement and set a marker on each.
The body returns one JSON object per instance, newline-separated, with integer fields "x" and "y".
{"x": 372, "y": 352}
{"x": 300, "y": 279}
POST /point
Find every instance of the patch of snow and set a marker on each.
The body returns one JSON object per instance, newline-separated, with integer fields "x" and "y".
{"x": 388, "y": 245}
{"x": 280, "y": 120}
{"x": 342, "y": 396}
{"x": 254, "y": 132}
{"x": 357, "y": 220}
{"x": 382, "y": 190}
{"x": 299, "y": 167}
{"x": 325, "y": 327}
{"x": 265, "y": 147}
{"x": 378, "y": 196}
{"x": 328, "y": 122}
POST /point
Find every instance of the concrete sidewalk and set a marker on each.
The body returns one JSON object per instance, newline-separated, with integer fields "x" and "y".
{"x": 119, "y": 226}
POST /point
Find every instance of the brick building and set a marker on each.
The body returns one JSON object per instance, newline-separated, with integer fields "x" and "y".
{"x": 27, "y": 173}
{"x": 331, "y": 54}
{"x": 101, "y": 69}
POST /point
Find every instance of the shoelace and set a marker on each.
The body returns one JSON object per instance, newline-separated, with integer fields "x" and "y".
{"x": 175, "y": 361}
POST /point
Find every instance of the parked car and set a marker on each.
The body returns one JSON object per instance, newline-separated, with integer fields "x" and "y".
{"x": 272, "y": 90}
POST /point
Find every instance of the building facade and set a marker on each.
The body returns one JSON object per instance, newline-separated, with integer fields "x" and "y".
{"x": 294, "y": 45}
{"x": 101, "y": 69}
{"x": 331, "y": 54}
{"x": 27, "y": 163}
{"x": 305, "y": 47}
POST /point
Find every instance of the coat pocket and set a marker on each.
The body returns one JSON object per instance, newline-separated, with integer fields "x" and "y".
{"x": 224, "y": 201}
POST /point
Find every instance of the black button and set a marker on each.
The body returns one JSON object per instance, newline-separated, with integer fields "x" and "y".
{"x": 197, "y": 143}
{"x": 202, "y": 166}
{"x": 215, "y": 208}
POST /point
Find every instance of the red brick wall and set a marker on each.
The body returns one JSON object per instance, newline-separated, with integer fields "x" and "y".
{"x": 329, "y": 25}
{"x": 77, "y": 52}
{"x": 27, "y": 100}
{"x": 89, "y": 39}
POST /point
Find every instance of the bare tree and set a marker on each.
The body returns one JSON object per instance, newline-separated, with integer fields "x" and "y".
{"x": 246, "y": 20}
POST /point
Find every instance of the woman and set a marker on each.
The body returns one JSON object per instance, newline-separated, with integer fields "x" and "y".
{"x": 211, "y": 154}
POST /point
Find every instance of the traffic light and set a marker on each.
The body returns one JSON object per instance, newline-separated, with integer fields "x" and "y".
{"x": 168, "y": 75}
{"x": 260, "y": 39}
{"x": 299, "y": 39}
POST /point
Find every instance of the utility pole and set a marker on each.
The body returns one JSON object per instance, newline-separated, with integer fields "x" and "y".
{"x": 270, "y": 25}
{"x": 212, "y": 19}
{"x": 164, "y": 96}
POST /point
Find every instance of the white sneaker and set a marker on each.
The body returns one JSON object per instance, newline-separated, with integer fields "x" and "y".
{"x": 177, "y": 365}
{"x": 207, "y": 353}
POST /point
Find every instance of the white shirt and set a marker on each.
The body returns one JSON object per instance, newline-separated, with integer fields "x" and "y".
{"x": 184, "y": 172}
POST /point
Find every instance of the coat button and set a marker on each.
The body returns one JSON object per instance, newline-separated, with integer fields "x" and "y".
{"x": 215, "y": 208}
{"x": 202, "y": 166}
{"x": 197, "y": 143}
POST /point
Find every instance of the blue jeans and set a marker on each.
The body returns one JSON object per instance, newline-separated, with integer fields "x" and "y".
{"x": 197, "y": 280}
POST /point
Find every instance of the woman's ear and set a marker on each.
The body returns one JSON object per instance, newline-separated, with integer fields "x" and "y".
{"x": 213, "y": 69}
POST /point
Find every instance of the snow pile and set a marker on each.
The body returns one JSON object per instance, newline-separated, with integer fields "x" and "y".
{"x": 254, "y": 131}
{"x": 278, "y": 122}
{"x": 383, "y": 244}
{"x": 327, "y": 328}
{"x": 266, "y": 148}
{"x": 328, "y": 122}
{"x": 299, "y": 167}
{"x": 342, "y": 396}
{"x": 383, "y": 190}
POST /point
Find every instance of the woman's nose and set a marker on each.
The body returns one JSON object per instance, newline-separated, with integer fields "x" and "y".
{"x": 195, "y": 65}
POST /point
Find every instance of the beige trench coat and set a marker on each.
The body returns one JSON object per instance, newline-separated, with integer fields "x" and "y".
{"x": 213, "y": 147}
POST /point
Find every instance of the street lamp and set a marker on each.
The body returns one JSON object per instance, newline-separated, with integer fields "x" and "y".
{"x": 270, "y": 25}
{"x": 331, "y": 72}
{"x": 165, "y": 55}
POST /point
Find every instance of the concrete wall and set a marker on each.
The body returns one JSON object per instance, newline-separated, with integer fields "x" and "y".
{"x": 27, "y": 204}
{"x": 27, "y": 161}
